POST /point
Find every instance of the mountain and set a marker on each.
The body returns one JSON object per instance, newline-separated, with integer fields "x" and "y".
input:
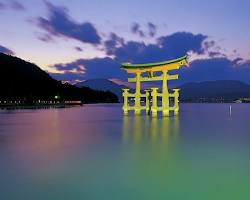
{"x": 208, "y": 91}
{"x": 21, "y": 80}
{"x": 221, "y": 90}
{"x": 103, "y": 85}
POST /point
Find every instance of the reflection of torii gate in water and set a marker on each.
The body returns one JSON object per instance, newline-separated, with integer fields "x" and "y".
{"x": 155, "y": 72}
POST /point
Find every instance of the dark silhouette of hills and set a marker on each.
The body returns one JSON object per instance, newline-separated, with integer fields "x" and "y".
{"x": 21, "y": 80}
{"x": 221, "y": 90}
{"x": 208, "y": 91}
{"x": 103, "y": 85}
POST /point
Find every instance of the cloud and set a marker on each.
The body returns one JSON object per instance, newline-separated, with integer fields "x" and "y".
{"x": 216, "y": 69}
{"x": 214, "y": 54}
{"x": 2, "y": 6}
{"x": 207, "y": 69}
{"x": 216, "y": 65}
{"x": 6, "y": 50}
{"x": 45, "y": 38}
{"x": 113, "y": 43}
{"x": 199, "y": 70}
{"x": 17, "y": 6}
{"x": 60, "y": 24}
{"x": 167, "y": 47}
{"x": 244, "y": 64}
{"x": 181, "y": 42}
{"x": 131, "y": 51}
{"x": 83, "y": 69}
{"x": 136, "y": 29}
{"x": 78, "y": 49}
{"x": 152, "y": 29}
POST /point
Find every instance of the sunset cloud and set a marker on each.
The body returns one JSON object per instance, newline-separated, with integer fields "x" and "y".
{"x": 6, "y": 50}
{"x": 136, "y": 29}
{"x": 60, "y": 24}
{"x": 167, "y": 47}
{"x": 2, "y": 6}
{"x": 93, "y": 68}
{"x": 78, "y": 49}
{"x": 17, "y": 6}
{"x": 152, "y": 29}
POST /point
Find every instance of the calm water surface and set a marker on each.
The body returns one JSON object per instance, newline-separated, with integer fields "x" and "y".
{"x": 93, "y": 152}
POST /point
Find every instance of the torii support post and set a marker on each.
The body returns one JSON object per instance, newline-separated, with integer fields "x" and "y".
{"x": 125, "y": 101}
{"x": 176, "y": 101}
{"x": 165, "y": 95}
{"x": 138, "y": 94}
{"x": 154, "y": 107}
{"x": 147, "y": 102}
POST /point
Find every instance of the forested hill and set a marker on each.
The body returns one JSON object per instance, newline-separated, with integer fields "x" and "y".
{"x": 221, "y": 90}
{"x": 22, "y": 80}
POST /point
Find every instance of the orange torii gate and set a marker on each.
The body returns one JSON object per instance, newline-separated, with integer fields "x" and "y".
{"x": 155, "y": 72}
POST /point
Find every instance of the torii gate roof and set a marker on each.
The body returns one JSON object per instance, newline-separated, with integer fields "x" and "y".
{"x": 156, "y": 64}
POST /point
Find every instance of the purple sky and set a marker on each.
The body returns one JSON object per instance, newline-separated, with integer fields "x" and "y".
{"x": 84, "y": 39}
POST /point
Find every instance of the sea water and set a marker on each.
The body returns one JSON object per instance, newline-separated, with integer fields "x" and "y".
{"x": 94, "y": 152}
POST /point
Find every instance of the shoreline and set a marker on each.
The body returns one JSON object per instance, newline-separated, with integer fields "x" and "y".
{"x": 44, "y": 106}
{"x": 16, "y": 107}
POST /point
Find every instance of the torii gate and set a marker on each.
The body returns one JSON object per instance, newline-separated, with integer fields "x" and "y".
{"x": 152, "y": 70}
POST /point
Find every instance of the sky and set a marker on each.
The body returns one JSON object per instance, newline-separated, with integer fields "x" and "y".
{"x": 84, "y": 39}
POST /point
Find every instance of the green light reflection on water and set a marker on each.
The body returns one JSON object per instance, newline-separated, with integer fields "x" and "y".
{"x": 161, "y": 167}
